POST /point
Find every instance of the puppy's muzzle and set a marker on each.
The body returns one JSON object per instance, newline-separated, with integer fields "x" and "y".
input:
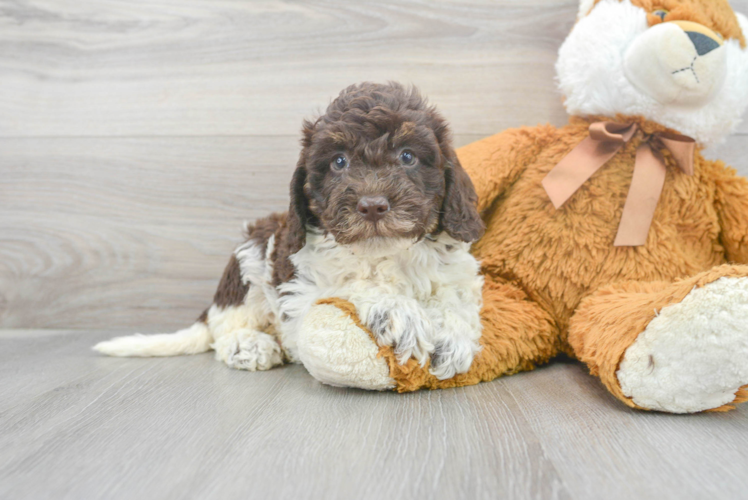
{"x": 373, "y": 208}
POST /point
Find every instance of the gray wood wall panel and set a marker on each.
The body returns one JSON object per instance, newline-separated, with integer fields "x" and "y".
{"x": 195, "y": 67}
{"x": 137, "y": 136}
{"x": 132, "y": 231}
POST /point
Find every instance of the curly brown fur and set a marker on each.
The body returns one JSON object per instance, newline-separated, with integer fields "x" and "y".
{"x": 372, "y": 124}
{"x": 377, "y": 184}
{"x": 231, "y": 289}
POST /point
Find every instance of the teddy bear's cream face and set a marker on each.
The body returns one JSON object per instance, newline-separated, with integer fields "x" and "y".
{"x": 679, "y": 63}
{"x": 679, "y": 73}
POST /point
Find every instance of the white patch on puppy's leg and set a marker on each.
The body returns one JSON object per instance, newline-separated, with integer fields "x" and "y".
{"x": 694, "y": 355}
{"x": 238, "y": 335}
{"x": 248, "y": 350}
{"x": 455, "y": 349}
{"x": 402, "y": 323}
{"x": 339, "y": 353}
{"x": 456, "y": 337}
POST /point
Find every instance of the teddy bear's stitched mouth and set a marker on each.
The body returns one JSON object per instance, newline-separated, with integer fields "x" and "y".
{"x": 687, "y": 68}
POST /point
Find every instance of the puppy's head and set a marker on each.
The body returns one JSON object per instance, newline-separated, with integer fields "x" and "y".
{"x": 380, "y": 163}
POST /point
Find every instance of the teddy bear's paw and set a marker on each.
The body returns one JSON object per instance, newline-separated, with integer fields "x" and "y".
{"x": 336, "y": 351}
{"x": 248, "y": 350}
{"x": 694, "y": 355}
{"x": 405, "y": 326}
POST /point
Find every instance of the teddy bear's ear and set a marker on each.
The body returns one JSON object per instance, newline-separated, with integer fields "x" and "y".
{"x": 585, "y": 7}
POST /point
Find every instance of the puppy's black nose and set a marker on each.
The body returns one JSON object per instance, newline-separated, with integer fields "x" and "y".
{"x": 373, "y": 208}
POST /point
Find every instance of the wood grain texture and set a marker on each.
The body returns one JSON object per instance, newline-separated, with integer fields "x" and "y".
{"x": 137, "y": 136}
{"x": 196, "y": 67}
{"x": 85, "y": 68}
{"x": 128, "y": 231}
{"x": 75, "y": 425}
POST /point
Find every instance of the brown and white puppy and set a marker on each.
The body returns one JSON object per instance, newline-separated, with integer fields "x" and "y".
{"x": 382, "y": 215}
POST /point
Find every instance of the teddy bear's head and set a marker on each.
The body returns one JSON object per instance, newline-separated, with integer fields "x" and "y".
{"x": 681, "y": 63}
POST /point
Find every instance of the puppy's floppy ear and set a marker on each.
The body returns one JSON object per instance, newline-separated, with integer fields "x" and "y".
{"x": 460, "y": 218}
{"x": 294, "y": 237}
{"x": 298, "y": 210}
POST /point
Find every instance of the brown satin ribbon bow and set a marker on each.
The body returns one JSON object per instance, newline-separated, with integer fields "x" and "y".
{"x": 604, "y": 141}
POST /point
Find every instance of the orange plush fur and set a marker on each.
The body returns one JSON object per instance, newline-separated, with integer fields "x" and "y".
{"x": 554, "y": 280}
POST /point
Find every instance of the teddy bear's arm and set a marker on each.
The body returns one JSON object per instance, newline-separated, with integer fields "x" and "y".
{"x": 732, "y": 207}
{"x": 495, "y": 162}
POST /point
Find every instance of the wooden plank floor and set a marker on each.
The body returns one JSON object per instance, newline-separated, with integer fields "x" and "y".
{"x": 74, "y": 425}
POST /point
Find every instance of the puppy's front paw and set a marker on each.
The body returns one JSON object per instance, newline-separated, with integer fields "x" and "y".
{"x": 248, "y": 350}
{"x": 452, "y": 356}
{"x": 405, "y": 328}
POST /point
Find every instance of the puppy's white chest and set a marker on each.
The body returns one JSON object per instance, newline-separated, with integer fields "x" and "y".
{"x": 423, "y": 278}
{"x": 386, "y": 266}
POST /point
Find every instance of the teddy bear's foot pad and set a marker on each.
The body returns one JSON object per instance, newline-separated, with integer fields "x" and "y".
{"x": 338, "y": 352}
{"x": 694, "y": 355}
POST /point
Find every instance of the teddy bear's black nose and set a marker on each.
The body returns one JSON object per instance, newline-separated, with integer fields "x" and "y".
{"x": 703, "y": 43}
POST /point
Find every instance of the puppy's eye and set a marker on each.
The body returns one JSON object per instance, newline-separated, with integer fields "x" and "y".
{"x": 339, "y": 162}
{"x": 661, "y": 13}
{"x": 408, "y": 157}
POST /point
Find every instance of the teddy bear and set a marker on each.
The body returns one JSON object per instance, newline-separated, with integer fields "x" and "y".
{"x": 610, "y": 239}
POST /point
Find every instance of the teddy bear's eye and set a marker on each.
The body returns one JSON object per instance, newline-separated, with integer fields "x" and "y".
{"x": 661, "y": 13}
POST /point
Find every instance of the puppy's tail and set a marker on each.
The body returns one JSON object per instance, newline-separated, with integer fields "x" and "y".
{"x": 192, "y": 340}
